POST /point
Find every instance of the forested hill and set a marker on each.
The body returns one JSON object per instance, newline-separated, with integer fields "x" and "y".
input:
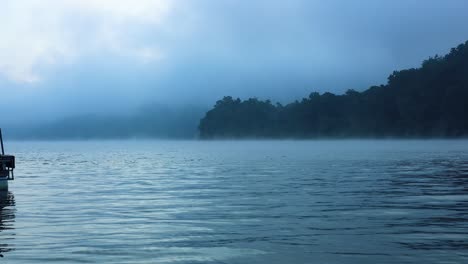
{"x": 430, "y": 101}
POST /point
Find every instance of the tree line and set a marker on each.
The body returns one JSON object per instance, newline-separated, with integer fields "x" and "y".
{"x": 429, "y": 101}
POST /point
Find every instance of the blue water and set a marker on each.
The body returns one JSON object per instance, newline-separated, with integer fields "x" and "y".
{"x": 237, "y": 202}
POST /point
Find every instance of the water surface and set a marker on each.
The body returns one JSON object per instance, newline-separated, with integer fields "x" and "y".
{"x": 237, "y": 202}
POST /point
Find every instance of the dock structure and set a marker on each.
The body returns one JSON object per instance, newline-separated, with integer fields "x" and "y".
{"x": 7, "y": 165}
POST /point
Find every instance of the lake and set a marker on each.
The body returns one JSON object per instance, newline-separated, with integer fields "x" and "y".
{"x": 335, "y": 201}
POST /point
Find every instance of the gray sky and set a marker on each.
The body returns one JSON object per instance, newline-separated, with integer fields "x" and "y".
{"x": 64, "y": 57}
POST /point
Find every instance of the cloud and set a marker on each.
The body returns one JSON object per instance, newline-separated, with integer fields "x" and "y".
{"x": 35, "y": 34}
{"x": 112, "y": 56}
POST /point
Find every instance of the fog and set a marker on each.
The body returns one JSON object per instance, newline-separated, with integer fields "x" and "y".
{"x": 61, "y": 59}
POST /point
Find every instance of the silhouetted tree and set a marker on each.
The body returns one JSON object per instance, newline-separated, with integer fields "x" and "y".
{"x": 430, "y": 101}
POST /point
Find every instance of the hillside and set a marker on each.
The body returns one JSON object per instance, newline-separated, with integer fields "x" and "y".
{"x": 430, "y": 101}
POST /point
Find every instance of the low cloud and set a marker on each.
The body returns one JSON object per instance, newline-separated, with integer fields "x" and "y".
{"x": 69, "y": 57}
{"x": 40, "y": 33}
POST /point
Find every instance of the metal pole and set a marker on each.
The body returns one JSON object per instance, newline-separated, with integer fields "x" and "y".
{"x": 1, "y": 140}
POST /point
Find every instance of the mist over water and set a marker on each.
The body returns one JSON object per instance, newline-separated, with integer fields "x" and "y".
{"x": 357, "y": 201}
{"x": 115, "y": 111}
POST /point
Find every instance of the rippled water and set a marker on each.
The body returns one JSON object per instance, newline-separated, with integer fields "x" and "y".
{"x": 237, "y": 202}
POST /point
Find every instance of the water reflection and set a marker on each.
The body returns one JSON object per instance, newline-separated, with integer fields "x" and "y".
{"x": 7, "y": 218}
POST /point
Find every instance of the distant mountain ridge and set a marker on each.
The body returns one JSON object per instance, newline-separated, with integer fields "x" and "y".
{"x": 152, "y": 121}
{"x": 430, "y": 101}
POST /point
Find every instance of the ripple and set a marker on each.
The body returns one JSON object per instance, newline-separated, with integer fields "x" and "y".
{"x": 237, "y": 202}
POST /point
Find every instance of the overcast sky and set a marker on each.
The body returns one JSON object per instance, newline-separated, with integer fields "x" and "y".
{"x": 64, "y": 57}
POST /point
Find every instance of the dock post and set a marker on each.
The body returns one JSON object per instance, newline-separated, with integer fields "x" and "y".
{"x": 1, "y": 140}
